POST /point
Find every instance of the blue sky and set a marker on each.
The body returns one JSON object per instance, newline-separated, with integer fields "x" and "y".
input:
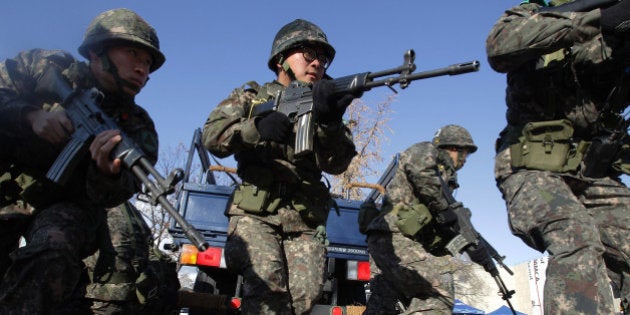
{"x": 212, "y": 47}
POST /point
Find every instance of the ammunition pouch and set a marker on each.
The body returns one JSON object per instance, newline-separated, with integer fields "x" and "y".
{"x": 312, "y": 200}
{"x": 256, "y": 199}
{"x": 548, "y": 146}
{"x": 258, "y": 193}
{"x": 418, "y": 223}
{"x": 412, "y": 219}
{"x": 261, "y": 193}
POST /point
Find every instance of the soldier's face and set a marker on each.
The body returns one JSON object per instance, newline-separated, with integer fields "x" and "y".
{"x": 308, "y": 65}
{"x": 458, "y": 156}
{"x": 133, "y": 65}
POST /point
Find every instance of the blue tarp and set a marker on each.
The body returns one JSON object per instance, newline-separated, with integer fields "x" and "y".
{"x": 462, "y": 308}
{"x": 504, "y": 310}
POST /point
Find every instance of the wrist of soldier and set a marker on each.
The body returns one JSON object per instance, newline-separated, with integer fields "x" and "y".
{"x": 21, "y": 114}
{"x": 22, "y": 109}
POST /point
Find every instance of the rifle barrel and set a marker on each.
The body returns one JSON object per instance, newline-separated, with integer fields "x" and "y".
{"x": 158, "y": 196}
{"x": 505, "y": 293}
{"x": 454, "y": 69}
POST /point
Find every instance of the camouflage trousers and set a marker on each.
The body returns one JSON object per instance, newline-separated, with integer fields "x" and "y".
{"x": 45, "y": 276}
{"x": 123, "y": 252}
{"x": 585, "y": 229}
{"x": 13, "y": 223}
{"x": 283, "y": 273}
{"x": 402, "y": 271}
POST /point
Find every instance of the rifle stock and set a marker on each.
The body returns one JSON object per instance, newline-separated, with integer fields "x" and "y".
{"x": 88, "y": 120}
{"x": 297, "y": 100}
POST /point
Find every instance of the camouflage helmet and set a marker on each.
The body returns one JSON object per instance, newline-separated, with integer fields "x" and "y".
{"x": 295, "y": 34}
{"x": 122, "y": 25}
{"x": 454, "y": 136}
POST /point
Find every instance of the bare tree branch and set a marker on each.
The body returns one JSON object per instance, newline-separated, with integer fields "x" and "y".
{"x": 369, "y": 128}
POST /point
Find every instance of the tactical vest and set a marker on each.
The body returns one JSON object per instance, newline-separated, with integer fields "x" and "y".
{"x": 270, "y": 182}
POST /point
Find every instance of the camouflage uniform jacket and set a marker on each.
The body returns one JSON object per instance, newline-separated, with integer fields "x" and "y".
{"x": 30, "y": 156}
{"x": 416, "y": 180}
{"x": 558, "y": 65}
{"x": 230, "y": 130}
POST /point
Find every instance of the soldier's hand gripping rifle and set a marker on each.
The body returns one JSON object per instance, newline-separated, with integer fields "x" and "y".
{"x": 89, "y": 120}
{"x": 468, "y": 239}
{"x": 296, "y": 102}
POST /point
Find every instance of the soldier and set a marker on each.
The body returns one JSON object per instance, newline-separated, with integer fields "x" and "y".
{"x": 411, "y": 270}
{"x": 560, "y": 158}
{"x": 122, "y": 49}
{"x": 277, "y": 220}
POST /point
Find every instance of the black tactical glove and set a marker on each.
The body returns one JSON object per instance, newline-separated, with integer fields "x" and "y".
{"x": 479, "y": 254}
{"x": 616, "y": 18}
{"x": 273, "y": 127}
{"x": 448, "y": 217}
{"x": 447, "y": 220}
{"x": 327, "y": 107}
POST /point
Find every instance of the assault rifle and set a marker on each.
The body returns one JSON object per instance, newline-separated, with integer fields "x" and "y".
{"x": 89, "y": 120}
{"x": 297, "y": 100}
{"x": 467, "y": 236}
{"x": 579, "y": 6}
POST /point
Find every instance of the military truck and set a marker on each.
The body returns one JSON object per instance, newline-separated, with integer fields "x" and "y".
{"x": 203, "y": 203}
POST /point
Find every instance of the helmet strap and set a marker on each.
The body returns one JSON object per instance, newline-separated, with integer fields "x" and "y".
{"x": 287, "y": 69}
{"x": 108, "y": 65}
{"x": 460, "y": 158}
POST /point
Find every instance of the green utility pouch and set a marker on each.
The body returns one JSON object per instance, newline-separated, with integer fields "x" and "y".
{"x": 544, "y": 145}
{"x": 313, "y": 202}
{"x": 258, "y": 193}
{"x": 256, "y": 199}
{"x": 412, "y": 220}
